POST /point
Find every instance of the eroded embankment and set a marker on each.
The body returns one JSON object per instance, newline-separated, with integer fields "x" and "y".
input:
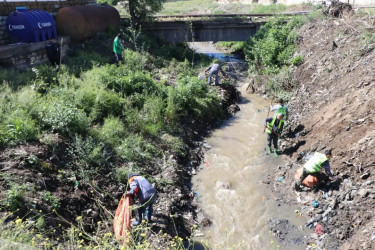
{"x": 334, "y": 108}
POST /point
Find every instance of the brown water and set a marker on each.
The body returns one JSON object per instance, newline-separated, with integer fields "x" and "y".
{"x": 230, "y": 186}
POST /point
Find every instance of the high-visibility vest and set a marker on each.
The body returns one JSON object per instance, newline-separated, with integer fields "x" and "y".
{"x": 315, "y": 163}
{"x": 282, "y": 110}
{"x": 270, "y": 125}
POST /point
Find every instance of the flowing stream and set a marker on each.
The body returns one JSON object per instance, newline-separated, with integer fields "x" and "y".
{"x": 230, "y": 185}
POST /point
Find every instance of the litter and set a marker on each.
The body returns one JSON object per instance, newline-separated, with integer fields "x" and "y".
{"x": 280, "y": 179}
{"x": 319, "y": 229}
{"x": 315, "y": 204}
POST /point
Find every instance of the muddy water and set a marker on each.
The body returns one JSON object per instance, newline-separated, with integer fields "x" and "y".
{"x": 230, "y": 183}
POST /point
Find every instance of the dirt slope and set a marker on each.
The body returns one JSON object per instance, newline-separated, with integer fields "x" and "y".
{"x": 334, "y": 108}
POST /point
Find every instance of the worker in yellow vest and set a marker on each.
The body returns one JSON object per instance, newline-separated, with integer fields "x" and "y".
{"x": 281, "y": 108}
{"x": 274, "y": 127}
{"x": 314, "y": 165}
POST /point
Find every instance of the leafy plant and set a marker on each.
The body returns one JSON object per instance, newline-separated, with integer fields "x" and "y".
{"x": 15, "y": 197}
{"x": 62, "y": 117}
{"x": 112, "y": 131}
{"x": 52, "y": 200}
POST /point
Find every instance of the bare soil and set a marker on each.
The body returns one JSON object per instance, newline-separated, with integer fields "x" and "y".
{"x": 334, "y": 108}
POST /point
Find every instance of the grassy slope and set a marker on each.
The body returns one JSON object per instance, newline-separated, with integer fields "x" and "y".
{"x": 73, "y": 135}
{"x": 181, "y": 7}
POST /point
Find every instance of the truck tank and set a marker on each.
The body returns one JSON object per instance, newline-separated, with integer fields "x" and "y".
{"x": 83, "y": 22}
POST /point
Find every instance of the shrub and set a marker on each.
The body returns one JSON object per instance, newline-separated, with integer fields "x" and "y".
{"x": 17, "y": 127}
{"x": 15, "y": 197}
{"x": 191, "y": 96}
{"x": 273, "y": 45}
{"x": 282, "y": 84}
{"x": 52, "y": 200}
{"x": 107, "y": 103}
{"x": 122, "y": 174}
{"x": 297, "y": 60}
{"x": 62, "y": 117}
{"x": 112, "y": 131}
{"x": 89, "y": 157}
{"x": 46, "y": 75}
{"x": 134, "y": 148}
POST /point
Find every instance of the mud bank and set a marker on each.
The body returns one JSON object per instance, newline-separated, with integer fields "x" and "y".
{"x": 333, "y": 108}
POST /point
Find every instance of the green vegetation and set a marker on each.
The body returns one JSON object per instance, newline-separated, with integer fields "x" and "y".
{"x": 271, "y": 53}
{"x": 183, "y": 7}
{"x": 98, "y": 122}
{"x": 212, "y": 7}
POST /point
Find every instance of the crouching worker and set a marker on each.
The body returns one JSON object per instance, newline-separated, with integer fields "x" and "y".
{"x": 314, "y": 165}
{"x": 146, "y": 193}
{"x": 274, "y": 127}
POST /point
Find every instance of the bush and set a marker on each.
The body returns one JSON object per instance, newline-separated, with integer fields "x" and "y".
{"x": 122, "y": 174}
{"x": 52, "y": 200}
{"x": 61, "y": 117}
{"x": 297, "y": 60}
{"x": 191, "y": 97}
{"x": 15, "y": 197}
{"x": 112, "y": 131}
{"x": 274, "y": 44}
{"x": 18, "y": 127}
{"x": 282, "y": 84}
{"x": 89, "y": 157}
{"x": 134, "y": 148}
{"x": 107, "y": 103}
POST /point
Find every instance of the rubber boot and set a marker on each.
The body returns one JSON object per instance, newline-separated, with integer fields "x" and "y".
{"x": 275, "y": 152}
{"x": 139, "y": 219}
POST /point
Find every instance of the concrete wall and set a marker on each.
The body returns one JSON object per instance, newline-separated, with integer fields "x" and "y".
{"x": 27, "y": 55}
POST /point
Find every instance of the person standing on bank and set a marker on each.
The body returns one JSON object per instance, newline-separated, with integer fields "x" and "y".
{"x": 53, "y": 52}
{"x": 214, "y": 70}
{"x": 118, "y": 48}
{"x": 280, "y": 108}
{"x": 146, "y": 193}
{"x": 274, "y": 127}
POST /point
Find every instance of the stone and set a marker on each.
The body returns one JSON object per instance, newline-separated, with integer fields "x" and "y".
{"x": 367, "y": 183}
{"x": 365, "y": 176}
{"x": 363, "y": 193}
{"x": 333, "y": 203}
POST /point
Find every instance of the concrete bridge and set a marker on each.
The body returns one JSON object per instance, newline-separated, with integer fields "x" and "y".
{"x": 204, "y": 28}
{"x": 201, "y": 31}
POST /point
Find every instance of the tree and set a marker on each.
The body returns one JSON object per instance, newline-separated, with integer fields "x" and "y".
{"x": 140, "y": 9}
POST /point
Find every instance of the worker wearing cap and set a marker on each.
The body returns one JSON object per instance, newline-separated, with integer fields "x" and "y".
{"x": 146, "y": 193}
{"x": 274, "y": 127}
{"x": 314, "y": 165}
{"x": 280, "y": 108}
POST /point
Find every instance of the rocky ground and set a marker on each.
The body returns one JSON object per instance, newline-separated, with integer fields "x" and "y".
{"x": 334, "y": 108}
